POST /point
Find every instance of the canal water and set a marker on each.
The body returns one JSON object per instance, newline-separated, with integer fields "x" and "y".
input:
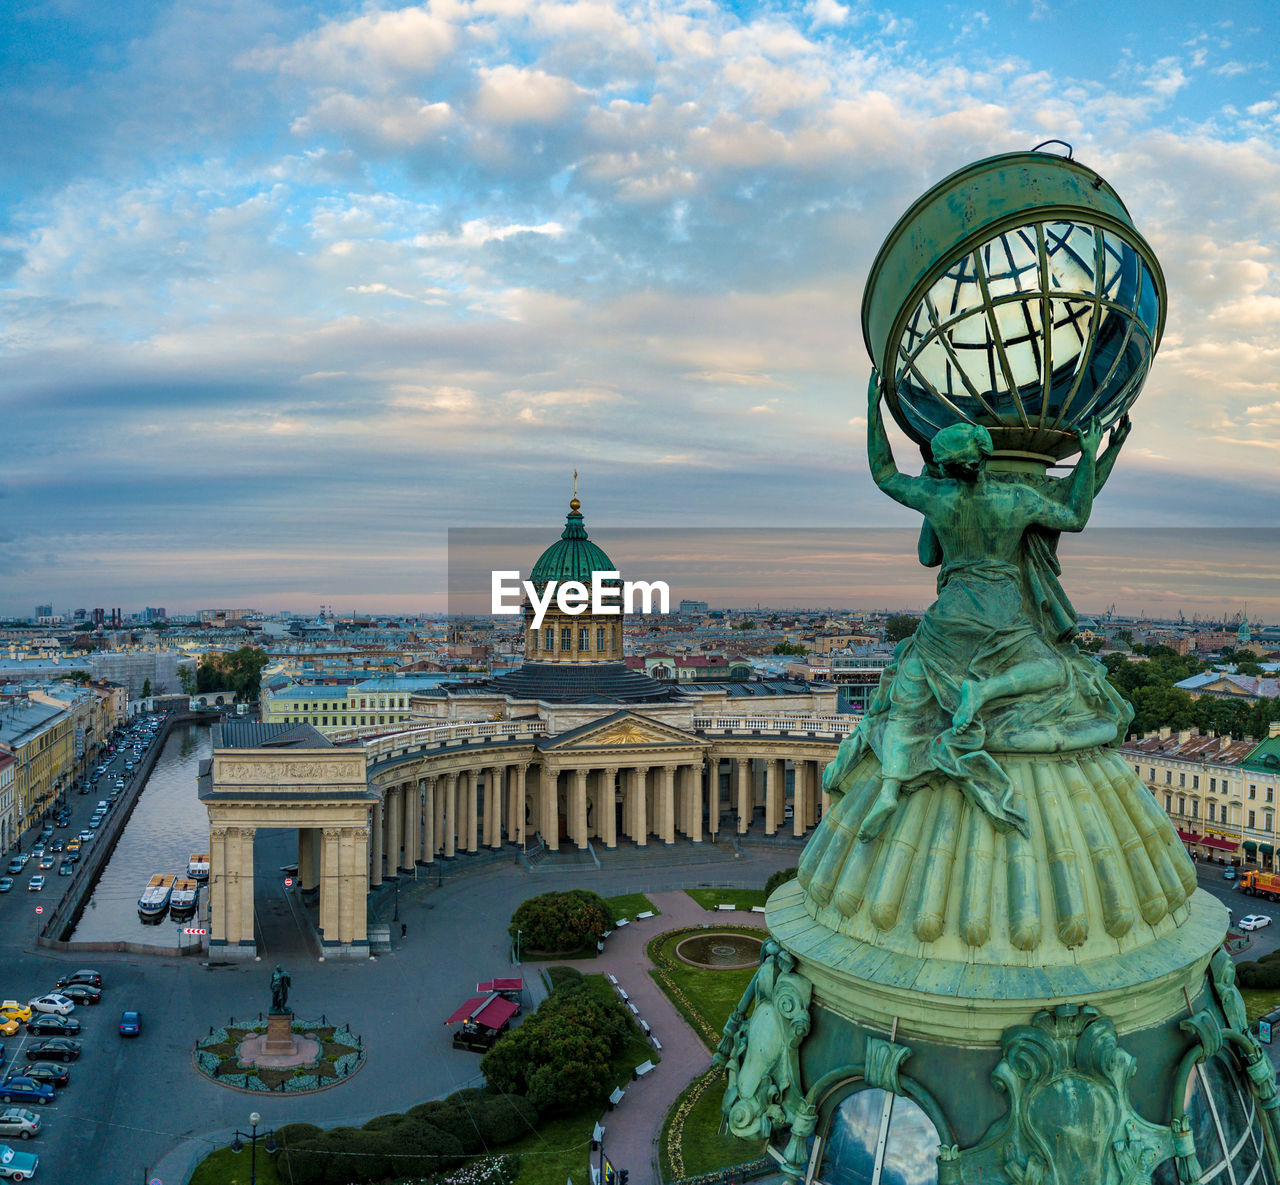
{"x": 168, "y": 824}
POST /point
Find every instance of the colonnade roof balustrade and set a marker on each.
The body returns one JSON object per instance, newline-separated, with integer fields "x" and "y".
{"x": 382, "y": 745}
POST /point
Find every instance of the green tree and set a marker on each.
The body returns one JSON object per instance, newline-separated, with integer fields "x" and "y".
{"x": 146, "y": 689}
{"x": 561, "y": 922}
{"x": 747, "y": 624}
{"x": 779, "y": 878}
{"x": 187, "y": 680}
{"x": 1247, "y": 667}
{"x": 899, "y": 626}
{"x": 791, "y": 648}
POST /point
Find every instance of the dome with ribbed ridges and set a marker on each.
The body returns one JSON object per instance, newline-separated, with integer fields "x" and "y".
{"x": 573, "y": 556}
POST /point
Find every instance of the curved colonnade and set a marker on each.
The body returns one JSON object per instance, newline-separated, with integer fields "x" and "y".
{"x": 449, "y": 789}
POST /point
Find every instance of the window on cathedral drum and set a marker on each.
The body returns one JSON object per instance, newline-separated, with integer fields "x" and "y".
{"x": 584, "y": 637}
{"x": 877, "y": 1138}
{"x": 600, "y": 643}
{"x": 550, "y": 638}
{"x": 566, "y": 637}
{"x": 1225, "y": 1127}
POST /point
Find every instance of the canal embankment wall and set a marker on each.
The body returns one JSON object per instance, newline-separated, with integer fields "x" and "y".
{"x": 56, "y": 931}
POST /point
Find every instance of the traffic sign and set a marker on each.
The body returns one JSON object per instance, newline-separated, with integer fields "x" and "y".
{"x": 39, "y": 909}
{"x": 194, "y": 930}
{"x": 288, "y": 882}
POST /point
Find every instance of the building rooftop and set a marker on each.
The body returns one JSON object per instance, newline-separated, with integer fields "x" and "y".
{"x": 248, "y": 734}
{"x": 1192, "y": 746}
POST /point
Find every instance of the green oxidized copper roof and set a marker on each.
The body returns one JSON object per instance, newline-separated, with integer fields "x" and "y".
{"x": 573, "y": 556}
{"x": 1265, "y": 758}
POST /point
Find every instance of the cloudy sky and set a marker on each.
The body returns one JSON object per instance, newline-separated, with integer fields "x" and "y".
{"x": 290, "y": 290}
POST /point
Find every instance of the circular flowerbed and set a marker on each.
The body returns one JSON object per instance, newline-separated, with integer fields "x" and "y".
{"x": 720, "y": 951}
{"x": 341, "y": 1055}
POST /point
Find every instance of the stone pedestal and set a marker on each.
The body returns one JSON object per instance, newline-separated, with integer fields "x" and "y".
{"x": 280, "y": 1041}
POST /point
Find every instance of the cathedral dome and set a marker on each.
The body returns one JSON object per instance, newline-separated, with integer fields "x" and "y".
{"x": 573, "y": 556}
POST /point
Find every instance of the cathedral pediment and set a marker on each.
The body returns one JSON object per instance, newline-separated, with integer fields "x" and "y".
{"x": 621, "y": 730}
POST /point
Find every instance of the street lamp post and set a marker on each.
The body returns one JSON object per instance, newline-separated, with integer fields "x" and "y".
{"x": 269, "y": 1143}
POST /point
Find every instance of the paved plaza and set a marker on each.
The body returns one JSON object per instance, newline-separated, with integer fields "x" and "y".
{"x": 139, "y": 1105}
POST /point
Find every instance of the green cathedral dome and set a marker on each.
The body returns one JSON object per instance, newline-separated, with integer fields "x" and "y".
{"x": 573, "y": 556}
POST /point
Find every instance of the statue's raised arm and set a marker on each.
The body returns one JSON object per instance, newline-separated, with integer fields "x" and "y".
{"x": 910, "y": 491}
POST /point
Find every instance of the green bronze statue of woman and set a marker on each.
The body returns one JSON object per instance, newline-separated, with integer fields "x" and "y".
{"x": 991, "y": 667}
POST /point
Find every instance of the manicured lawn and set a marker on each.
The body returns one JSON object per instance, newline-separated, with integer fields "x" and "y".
{"x": 627, "y": 905}
{"x": 704, "y": 998}
{"x": 558, "y": 1150}
{"x": 225, "y": 1167}
{"x": 742, "y": 898}
{"x": 637, "y": 1050}
{"x": 702, "y": 1149}
{"x": 1258, "y": 1001}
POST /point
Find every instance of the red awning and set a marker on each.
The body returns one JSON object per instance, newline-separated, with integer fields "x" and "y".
{"x": 496, "y": 1013}
{"x": 501, "y": 985}
{"x": 1225, "y": 845}
{"x": 1185, "y": 836}
{"x": 464, "y": 1013}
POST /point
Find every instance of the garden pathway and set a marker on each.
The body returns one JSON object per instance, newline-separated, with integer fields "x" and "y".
{"x": 632, "y": 1129}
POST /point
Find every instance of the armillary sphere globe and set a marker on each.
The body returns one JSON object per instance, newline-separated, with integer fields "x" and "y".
{"x": 1015, "y": 294}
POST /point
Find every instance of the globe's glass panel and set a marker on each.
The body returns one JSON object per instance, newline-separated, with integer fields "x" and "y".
{"x": 1042, "y": 326}
{"x": 851, "y": 1154}
{"x": 1226, "y": 1129}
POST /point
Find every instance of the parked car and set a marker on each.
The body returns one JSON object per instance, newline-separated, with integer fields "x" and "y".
{"x": 20, "y": 1089}
{"x": 8, "y": 1027}
{"x": 35, "y": 884}
{"x": 53, "y": 1002}
{"x": 50, "y": 1024}
{"x": 49, "y": 1073}
{"x": 130, "y": 1024}
{"x": 6, "y": 884}
{"x": 17, "y": 1166}
{"x": 83, "y": 975}
{"x": 54, "y": 1049}
{"x": 82, "y": 993}
{"x": 15, "y": 1011}
{"x": 15, "y": 1121}
{"x": 1253, "y": 921}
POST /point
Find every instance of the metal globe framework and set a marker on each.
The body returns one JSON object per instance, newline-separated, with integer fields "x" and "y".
{"x": 1041, "y": 314}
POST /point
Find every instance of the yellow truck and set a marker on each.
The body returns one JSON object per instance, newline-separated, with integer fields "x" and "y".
{"x": 1261, "y": 884}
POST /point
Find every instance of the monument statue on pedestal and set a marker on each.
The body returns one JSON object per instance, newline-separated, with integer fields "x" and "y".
{"x": 280, "y": 982}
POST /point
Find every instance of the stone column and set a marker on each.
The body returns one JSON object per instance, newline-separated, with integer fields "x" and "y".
{"x": 429, "y": 822}
{"x": 244, "y": 866}
{"x": 549, "y": 805}
{"x": 412, "y": 822}
{"x": 440, "y": 795}
{"x": 392, "y": 817}
{"x": 519, "y": 805}
{"x": 450, "y": 815}
{"x": 666, "y": 805}
{"x": 353, "y": 855}
{"x": 219, "y": 882}
{"x": 330, "y": 883}
{"x": 800, "y": 803}
{"x": 375, "y": 845}
{"x": 693, "y": 801}
{"x": 308, "y": 870}
{"x": 607, "y": 804}
{"x": 470, "y": 821}
{"x": 578, "y": 809}
{"x": 493, "y": 806}
{"x": 711, "y": 776}
{"x": 771, "y": 796}
{"x": 640, "y": 816}
{"x": 743, "y": 766}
